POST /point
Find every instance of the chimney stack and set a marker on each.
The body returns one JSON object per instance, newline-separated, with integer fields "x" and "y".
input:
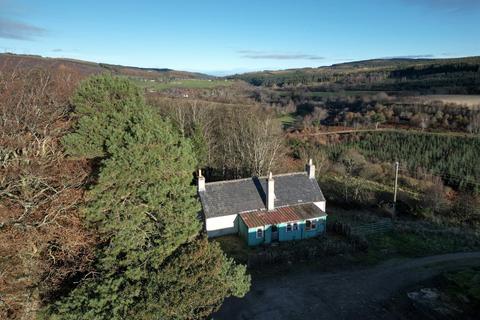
{"x": 311, "y": 169}
{"x": 270, "y": 192}
{"x": 201, "y": 181}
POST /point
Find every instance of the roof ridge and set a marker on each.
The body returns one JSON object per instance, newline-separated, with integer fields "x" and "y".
{"x": 261, "y": 177}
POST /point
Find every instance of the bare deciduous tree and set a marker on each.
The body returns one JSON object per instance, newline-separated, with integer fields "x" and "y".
{"x": 40, "y": 191}
{"x": 239, "y": 140}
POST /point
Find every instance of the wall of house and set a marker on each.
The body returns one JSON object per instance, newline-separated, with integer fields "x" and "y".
{"x": 322, "y": 205}
{"x": 220, "y": 226}
{"x": 250, "y": 234}
{"x": 268, "y": 234}
{"x": 284, "y": 235}
{"x": 243, "y": 230}
{"x": 320, "y": 229}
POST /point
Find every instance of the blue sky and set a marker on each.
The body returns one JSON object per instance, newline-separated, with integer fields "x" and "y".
{"x": 217, "y": 36}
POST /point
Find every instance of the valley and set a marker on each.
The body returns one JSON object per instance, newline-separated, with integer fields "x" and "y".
{"x": 354, "y": 121}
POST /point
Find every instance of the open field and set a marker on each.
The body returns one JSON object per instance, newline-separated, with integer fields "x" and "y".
{"x": 333, "y": 94}
{"x": 343, "y": 93}
{"x": 184, "y": 84}
{"x": 468, "y": 100}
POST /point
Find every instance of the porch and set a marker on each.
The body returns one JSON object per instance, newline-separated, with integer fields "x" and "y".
{"x": 282, "y": 224}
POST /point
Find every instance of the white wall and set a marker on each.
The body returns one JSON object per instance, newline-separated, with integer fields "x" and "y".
{"x": 220, "y": 226}
{"x": 322, "y": 205}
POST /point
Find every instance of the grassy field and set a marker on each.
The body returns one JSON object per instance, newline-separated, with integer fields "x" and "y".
{"x": 184, "y": 84}
{"x": 405, "y": 244}
{"x": 407, "y": 239}
{"x": 333, "y": 94}
{"x": 463, "y": 283}
{"x": 468, "y": 100}
{"x": 328, "y": 94}
{"x": 362, "y": 191}
{"x": 235, "y": 247}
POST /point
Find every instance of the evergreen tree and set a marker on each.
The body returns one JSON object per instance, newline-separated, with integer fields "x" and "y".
{"x": 191, "y": 282}
{"x": 103, "y": 106}
{"x": 152, "y": 263}
{"x": 378, "y": 118}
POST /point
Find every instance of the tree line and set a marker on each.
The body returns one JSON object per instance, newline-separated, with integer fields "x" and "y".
{"x": 371, "y": 110}
{"x": 460, "y": 76}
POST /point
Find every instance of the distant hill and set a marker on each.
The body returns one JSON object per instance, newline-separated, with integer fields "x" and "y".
{"x": 457, "y": 75}
{"x": 85, "y": 68}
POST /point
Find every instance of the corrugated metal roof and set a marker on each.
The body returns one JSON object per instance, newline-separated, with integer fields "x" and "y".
{"x": 235, "y": 196}
{"x": 281, "y": 215}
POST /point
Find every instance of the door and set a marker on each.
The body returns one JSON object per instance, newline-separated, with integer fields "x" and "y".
{"x": 274, "y": 233}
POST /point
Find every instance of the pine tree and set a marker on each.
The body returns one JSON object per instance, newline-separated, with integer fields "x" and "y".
{"x": 153, "y": 263}
{"x": 103, "y": 106}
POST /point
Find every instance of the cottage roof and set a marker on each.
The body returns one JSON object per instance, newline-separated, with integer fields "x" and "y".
{"x": 236, "y": 196}
{"x": 282, "y": 215}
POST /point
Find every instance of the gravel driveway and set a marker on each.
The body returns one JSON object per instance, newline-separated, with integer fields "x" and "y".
{"x": 357, "y": 294}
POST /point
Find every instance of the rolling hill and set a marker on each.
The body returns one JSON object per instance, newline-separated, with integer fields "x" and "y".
{"x": 85, "y": 68}
{"x": 458, "y": 75}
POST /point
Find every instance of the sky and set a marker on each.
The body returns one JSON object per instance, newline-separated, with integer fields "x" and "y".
{"x": 223, "y": 37}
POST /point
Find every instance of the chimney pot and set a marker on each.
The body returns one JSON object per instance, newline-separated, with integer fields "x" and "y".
{"x": 270, "y": 192}
{"x": 311, "y": 169}
{"x": 201, "y": 181}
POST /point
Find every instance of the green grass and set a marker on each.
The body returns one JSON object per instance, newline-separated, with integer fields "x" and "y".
{"x": 464, "y": 283}
{"x": 335, "y": 184}
{"x": 328, "y": 94}
{"x": 184, "y": 84}
{"x": 234, "y": 247}
{"x": 410, "y": 245}
{"x": 287, "y": 120}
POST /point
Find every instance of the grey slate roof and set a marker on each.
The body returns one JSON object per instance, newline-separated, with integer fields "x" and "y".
{"x": 235, "y": 196}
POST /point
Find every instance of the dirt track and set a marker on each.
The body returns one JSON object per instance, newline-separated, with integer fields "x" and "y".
{"x": 358, "y": 294}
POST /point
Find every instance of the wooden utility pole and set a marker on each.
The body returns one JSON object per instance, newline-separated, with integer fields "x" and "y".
{"x": 396, "y": 187}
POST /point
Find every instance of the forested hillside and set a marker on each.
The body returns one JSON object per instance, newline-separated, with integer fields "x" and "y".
{"x": 450, "y": 157}
{"x": 450, "y": 76}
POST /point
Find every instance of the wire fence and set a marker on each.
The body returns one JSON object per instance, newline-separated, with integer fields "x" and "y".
{"x": 381, "y": 226}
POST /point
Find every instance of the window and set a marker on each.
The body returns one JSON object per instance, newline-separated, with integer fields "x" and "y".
{"x": 259, "y": 233}
{"x": 308, "y": 225}
{"x": 295, "y": 226}
{"x": 289, "y": 227}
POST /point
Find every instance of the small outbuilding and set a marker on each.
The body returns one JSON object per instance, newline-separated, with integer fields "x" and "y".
{"x": 261, "y": 210}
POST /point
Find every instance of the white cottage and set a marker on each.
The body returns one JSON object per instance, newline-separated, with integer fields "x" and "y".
{"x": 265, "y": 209}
